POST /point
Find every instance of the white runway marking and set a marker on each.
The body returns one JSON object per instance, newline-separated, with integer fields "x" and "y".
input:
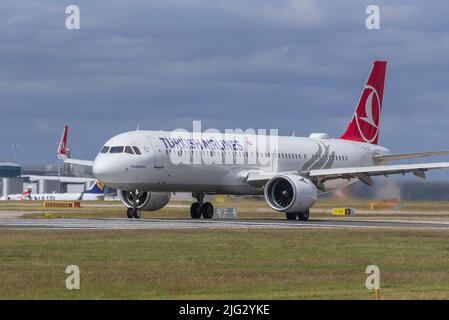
{"x": 148, "y": 224}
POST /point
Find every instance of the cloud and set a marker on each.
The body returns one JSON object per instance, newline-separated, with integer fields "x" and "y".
{"x": 289, "y": 64}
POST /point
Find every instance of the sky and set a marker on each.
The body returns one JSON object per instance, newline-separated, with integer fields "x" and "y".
{"x": 293, "y": 65}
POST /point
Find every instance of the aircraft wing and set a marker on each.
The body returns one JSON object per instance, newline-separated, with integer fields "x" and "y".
{"x": 258, "y": 179}
{"x": 402, "y": 156}
{"x": 79, "y": 162}
{"x": 364, "y": 174}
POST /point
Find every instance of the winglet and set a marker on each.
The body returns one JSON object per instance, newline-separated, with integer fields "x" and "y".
{"x": 63, "y": 151}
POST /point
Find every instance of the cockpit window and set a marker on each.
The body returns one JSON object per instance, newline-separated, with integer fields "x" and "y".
{"x": 116, "y": 149}
{"x": 136, "y": 150}
{"x": 105, "y": 149}
{"x": 121, "y": 149}
{"x": 129, "y": 150}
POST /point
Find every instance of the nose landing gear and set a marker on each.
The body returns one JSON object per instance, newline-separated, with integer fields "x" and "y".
{"x": 135, "y": 198}
{"x": 134, "y": 213}
{"x": 200, "y": 209}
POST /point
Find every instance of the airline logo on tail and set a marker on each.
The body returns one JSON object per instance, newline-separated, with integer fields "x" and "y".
{"x": 97, "y": 187}
{"x": 26, "y": 194}
{"x": 62, "y": 147}
{"x": 370, "y": 114}
{"x": 365, "y": 124}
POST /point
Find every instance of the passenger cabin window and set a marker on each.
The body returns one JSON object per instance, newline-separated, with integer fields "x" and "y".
{"x": 129, "y": 150}
{"x": 136, "y": 150}
{"x": 105, "y": 149}
{"x": 116, "y": 149}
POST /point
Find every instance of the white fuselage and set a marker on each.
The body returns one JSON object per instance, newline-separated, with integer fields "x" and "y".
{"x": 157, "y": 167}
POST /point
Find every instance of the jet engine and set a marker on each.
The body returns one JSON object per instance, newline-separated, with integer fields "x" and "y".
{"x": 290, "y": 193}
{"x": 144, "y": 200}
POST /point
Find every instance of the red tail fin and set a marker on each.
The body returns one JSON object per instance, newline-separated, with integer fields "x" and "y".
{"x": 365, "y": 123}
{"x": 62, "y": 148}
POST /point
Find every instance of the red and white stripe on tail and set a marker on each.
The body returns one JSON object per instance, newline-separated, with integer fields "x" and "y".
{"x": 365, "y": 124}
{"x": 63, "y": 151}
{"x": 26, "y": 195}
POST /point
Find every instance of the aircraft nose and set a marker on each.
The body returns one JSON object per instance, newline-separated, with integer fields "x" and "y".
{"x": 102, "y": 170}
{"x": 111, "y": 171}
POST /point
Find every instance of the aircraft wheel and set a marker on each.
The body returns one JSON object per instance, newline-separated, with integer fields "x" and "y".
{"x": 130, "y": 213}
{"x": 195, "y": 212}
{"x": 207, "y": 210}
{"x": 137, "y": 213}
{"x": 304, "y": 215}
{"x": 291, "y": 215}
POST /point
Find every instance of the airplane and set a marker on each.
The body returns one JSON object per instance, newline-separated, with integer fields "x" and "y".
{"x": 144, "y": 165}
{"x": 95, "y": 192}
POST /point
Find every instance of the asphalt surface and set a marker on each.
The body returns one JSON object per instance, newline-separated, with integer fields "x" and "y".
{"x": 149, "y": 224}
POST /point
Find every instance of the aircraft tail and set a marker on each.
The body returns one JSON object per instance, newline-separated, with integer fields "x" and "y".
{"x": 365, "y": 124}
{"x": 97, "y": 188}
{"x": 63, "y": 150}
{"x": 26, "y": 195}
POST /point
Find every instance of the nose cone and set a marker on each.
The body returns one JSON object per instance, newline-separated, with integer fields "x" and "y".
{"x": 102, "y": 169}
{"x": 112, "y": 170}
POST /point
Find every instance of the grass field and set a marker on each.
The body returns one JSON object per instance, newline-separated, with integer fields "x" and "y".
{"x": 227, "y": 263}
{"x": 224, "y": 264}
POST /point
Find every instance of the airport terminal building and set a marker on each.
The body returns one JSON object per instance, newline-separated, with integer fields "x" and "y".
{"x": 15, "y": 178}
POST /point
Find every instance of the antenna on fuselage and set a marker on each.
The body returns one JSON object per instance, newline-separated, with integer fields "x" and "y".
{"x": 138, "y": 127}
{"x": 293, "y": 134}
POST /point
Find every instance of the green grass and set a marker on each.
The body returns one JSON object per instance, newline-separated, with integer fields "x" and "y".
{"x": 224, "y": 264}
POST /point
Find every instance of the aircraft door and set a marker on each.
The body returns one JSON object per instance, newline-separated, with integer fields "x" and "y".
{"x": 158, "y": 152}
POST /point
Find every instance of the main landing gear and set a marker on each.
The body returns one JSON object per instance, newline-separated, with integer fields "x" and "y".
{"x": 201, "y": 209}
{"x": 134, "y": 213}
{"x": 303, "y": 216}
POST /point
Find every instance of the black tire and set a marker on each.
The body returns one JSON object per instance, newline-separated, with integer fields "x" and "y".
{"x": 291, "y": 215}
{"x": 195, "y": 212}
{"x": 130, "y": 213}
{"x": 137, "y": 213}
{"x": 304, "y": 215}
{"x": 207, "y": 210}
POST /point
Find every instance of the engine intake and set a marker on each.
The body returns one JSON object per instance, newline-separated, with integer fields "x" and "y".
{"x": 290, "y": 193}
{"x": 144, "y": 200}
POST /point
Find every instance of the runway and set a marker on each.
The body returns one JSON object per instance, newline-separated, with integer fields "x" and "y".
{"x": 155, "y": 224}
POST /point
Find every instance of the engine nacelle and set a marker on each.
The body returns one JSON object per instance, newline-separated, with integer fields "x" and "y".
{"x": 290, "y": 193}
{"x": 144, "y": 200}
